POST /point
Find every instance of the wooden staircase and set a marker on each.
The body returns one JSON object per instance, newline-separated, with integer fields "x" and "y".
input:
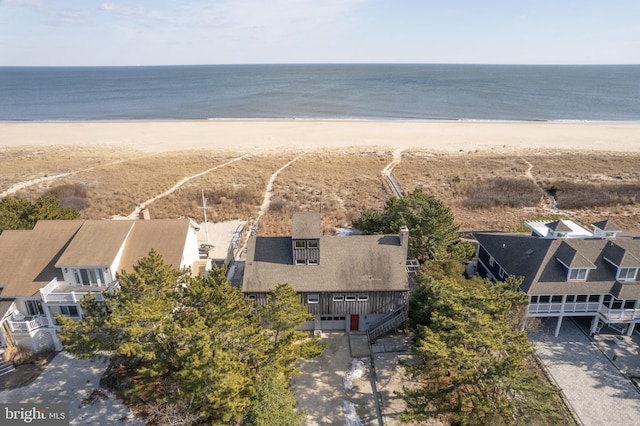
{"x": 389, "y": 324}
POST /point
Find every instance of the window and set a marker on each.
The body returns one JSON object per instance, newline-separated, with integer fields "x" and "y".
{"x": 502, "y": 273}
{"x": 69, "y": 311}
{"x": 581, "y": 298}
{"x": 629, "y": 304}
{"x": 313, "y": 261}
{"x": 313, "y": 298}
{"x": 594, "y": 298}
{"x": 251, "y": 297}
{"x": 533, "y": 299}
{"x": 627, "y": 274}
{"x": 299, "y": 244}
{"x": 363, "y": 298}
{"x": 92, "y": 276}
{"x": 490, "y": 260}
{"x": 312, "y": 244}
{"x": 545, "y": 299}
{"x": 349, "y": 298}
{"x": 571, "y": 298}
{"x": 77, "y": 276}
{"x": 576, "y": 274}
{"x": 556, "y": 299}
{"x": 301, "y": 262}
{"x": 338, "y": 298}
{"x": 34, "y": 307}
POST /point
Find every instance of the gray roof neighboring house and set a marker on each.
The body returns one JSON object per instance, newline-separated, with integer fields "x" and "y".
{"x": 354, "y": 263}
{"x": 606, "y": 225}
{"x": 559, "y": 226}
{"x": 536, "y": 259}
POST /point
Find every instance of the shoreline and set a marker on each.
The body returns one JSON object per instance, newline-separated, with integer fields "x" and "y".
{"x": 263, "y": 135}
{"x": 328, "y": 120}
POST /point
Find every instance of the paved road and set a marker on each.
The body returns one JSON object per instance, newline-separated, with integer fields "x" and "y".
{"x": 598, "y": 392}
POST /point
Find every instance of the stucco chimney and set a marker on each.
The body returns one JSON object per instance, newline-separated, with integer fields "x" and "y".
{"x": 404, "y": 240}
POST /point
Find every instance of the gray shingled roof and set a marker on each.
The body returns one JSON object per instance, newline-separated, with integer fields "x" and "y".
{"x": 620, "y": 256}
{"x": 607, "y": 225}
{"x": 306, "y": 225}
{"x": 535, "y": 259}
{"x": 559, "y": 226}
{"x": 571, "y": 257}
{"x": 355, "y": 263}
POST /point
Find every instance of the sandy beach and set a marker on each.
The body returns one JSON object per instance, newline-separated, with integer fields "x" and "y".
{"x": 269, "y": 135}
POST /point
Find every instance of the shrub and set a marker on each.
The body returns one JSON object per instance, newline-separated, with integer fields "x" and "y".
{"x": 501, "y": 192}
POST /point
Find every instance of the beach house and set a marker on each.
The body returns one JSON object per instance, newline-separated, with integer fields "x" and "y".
{"x": 569, "y": 271}
{"x": 351, "y": 283}
{"x": 49, "y": 269}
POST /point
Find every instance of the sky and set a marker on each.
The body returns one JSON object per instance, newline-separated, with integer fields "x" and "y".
{"x": 180, "y": 32}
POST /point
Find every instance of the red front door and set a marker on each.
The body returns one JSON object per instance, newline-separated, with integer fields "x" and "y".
{"x": 355, "y": 321}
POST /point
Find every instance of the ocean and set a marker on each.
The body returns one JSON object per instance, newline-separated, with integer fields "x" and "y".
{"x": 342, "y": 92}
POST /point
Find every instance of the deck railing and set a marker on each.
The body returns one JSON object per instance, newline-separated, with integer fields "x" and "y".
{"x": 28, "y": 324}
{"x": 50, "y": 295}
{"x": 584, "y": 307}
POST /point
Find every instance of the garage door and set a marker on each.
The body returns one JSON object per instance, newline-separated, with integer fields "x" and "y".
{"x": 333, "y": 323}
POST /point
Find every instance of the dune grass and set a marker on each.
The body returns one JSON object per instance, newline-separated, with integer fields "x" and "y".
{"x": 485, "y": 190}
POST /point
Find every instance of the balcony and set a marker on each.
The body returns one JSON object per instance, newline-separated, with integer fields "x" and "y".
{"x": 567, "y": 308}
{"x": 20, "y": 324}
{"x": 577, "y": 308}
{"x": 55, "y": 292}
{"x": 619, "y": 314}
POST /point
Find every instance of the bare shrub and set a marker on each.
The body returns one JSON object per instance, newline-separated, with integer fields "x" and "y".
{"x": 72, "y": 195}
{"x": 582, "y": 195}
{"x": 502, "y": 192}
{"x": 18, "y": 355}
{"x": 171, "y": 414}
{"x": 67, "y": 191}
{"x": 278, "y": 205}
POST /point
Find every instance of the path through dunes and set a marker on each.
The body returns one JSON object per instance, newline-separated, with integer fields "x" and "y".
{"x": 136, "y": 213}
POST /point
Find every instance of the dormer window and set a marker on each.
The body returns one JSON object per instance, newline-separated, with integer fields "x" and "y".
{"x": 577, "y": 274}
{"x": 627, "y": 274}
{"x": 306, "y": 237}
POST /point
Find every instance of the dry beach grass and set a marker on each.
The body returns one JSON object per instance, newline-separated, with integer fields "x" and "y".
{"x": 492, "y": 175}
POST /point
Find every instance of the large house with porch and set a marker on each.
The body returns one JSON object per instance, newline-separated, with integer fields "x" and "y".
{"x": 49, "y": 269}
{"x": 570, "y": 271}
{"x": 351, "y": 283}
